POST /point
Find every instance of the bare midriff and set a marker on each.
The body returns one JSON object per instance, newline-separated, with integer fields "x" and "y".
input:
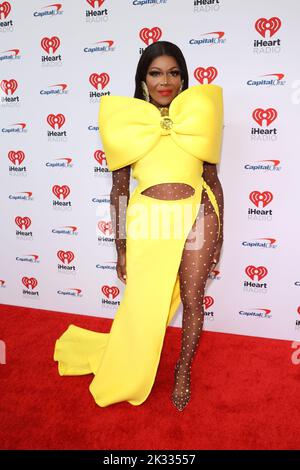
{"x": 169, "y": 191}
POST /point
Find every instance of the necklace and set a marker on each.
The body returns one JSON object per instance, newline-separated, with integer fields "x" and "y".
{"x": 164, "y": 111}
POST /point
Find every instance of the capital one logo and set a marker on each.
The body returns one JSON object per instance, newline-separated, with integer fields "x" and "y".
{"x": 29, "y": 282}
{"x": 209, "y": 74}
{"x": 99, "y": 79}
{"x": 65, "y": 257}
{"x": 93, "y": 3}
{"x": 16, "y": 157}
{"x": 23, "y": 222}
{"x": 50, "y": 44}
{"x": 208, "y": 301}
{"x": 9, "y": 86}
{"x": 147, "y": 35}
{"x": 4, "y": 10}
{"x": 264, "y": 26}
{"x": 99, "y": 156}
{"x": 61, "y": 192}
{"x": 110, "y": 290}
{"x": 56, "y": 120}
{"x": 259, "y": 272}
{"x": 105, "y": 227}
{"x": 264, "y": 115}
{"x": 264, "y": 198}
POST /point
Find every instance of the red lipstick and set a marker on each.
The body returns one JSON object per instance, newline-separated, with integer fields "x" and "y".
{"x": 165, "y": 92}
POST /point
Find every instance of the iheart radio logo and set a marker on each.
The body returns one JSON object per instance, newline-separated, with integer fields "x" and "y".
{"x": 268, "y": 115}
{"x": 259, "y": 271}
{"x": 16, "y": 157}
{"x": 9, "y": 86}
{"x": 56, "y": 120}
{"x": 265, "y": 198}
{"x": 23, "y": 222}
{"x": 4, "y": 10}
{"x": 208, "y": 301}
{"x": 93, "y": 3}
{"x": 99, "y": 79}
{"x": 148, "y": 35}
{"x": 65, "y": 257}
{"x": 209, "y": 74}
{"x": 113, "y": 291}
{"x": 29, "y": 282}
{"x": 99, "y": 156}
{"x": 262, "y": 25}
{"x": 61, "y": 191}
{"x": 105, "y": 227}
{"x": 50, "y": 43}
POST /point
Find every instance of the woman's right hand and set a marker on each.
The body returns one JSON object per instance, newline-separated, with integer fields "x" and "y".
{"x": 121, "y": 265}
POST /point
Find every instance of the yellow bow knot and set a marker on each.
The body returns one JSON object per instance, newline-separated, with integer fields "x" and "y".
{"x": 130, "y": 127}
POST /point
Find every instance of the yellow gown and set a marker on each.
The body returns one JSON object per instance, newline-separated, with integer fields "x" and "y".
{"x": 160, "y": 150}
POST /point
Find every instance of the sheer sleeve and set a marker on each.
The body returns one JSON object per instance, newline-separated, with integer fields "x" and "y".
{"x": 119, "y": 197}
{"x": 211, "y": 178}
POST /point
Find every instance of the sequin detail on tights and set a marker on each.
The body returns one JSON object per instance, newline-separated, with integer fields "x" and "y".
{"x": 193, "y": 273}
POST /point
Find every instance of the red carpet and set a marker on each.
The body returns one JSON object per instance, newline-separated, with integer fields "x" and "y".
{"x": 245, "y": 394}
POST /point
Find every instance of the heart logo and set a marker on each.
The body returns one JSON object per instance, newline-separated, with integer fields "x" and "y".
{"x": 208, "y": 301}
{"x": 205, "y": 75}
{"x": 4, "y": 10}
{"x": 269, "y": 115}
{"x": 65, "y": 257}
{"x": 23, "y": 222}
{"x": 16, "y": 157}
{"x": 265, "y": 198}
{"x": 9, "y": 86}
{"x": 50, "y": 43}
{"x": 99, "y": 156}
{"x": 29, "y": 282}
{"x": 99, "y": 79}
{"x": 93, "y": 3}
{"x": 61, "y": 191}
{"x": 56, "y": 120}
{"x": 113, "y": 291}
{"x": 259, "y": 271}
{"x": 262, "y": 25}
{"x": 148, "y": 35}
{"x": 105, "y": 227}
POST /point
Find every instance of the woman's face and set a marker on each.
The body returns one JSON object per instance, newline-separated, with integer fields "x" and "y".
{"x": 163, "y": 80}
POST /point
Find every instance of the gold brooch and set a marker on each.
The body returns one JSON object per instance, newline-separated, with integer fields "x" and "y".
{"x": 166, "y": 123}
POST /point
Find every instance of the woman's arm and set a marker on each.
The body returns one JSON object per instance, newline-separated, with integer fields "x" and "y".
{"x": 119, "y": 197}
{"x": 211, "y": 178}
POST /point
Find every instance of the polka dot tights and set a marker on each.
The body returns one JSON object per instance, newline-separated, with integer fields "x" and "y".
{"x": 196, "y": 263}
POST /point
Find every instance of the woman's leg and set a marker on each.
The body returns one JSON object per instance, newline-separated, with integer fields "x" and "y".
{"x": 196, "y": 263}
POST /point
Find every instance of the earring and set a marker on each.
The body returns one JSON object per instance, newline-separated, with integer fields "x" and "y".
{"x": 181, "y": 86}
{"x": 145, "y": 91}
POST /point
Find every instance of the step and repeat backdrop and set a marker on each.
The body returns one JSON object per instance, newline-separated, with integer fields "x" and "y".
{"x": 57, "y": 61}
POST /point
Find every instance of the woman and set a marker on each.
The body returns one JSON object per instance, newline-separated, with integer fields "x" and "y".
{"x": 169, "y": 231}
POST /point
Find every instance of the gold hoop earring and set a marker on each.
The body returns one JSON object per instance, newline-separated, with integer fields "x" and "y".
{"x": 181, "y": 86}
{"x": 145, "y": 91}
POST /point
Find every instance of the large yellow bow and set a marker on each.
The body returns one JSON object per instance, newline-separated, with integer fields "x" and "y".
{"x": 131, "y": 127}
